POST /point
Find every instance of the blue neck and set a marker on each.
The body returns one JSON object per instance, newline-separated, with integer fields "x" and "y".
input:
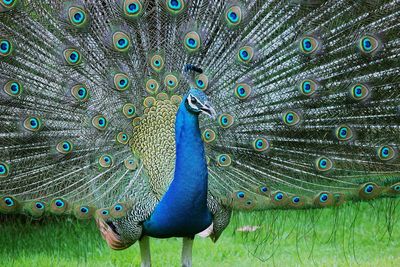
{"x": 190, "y": 163}
{"x": 183, "y": 209}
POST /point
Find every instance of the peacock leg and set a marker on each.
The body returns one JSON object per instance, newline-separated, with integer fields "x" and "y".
{"x": 144, "y": 244}
{"x": 187, "y": 252}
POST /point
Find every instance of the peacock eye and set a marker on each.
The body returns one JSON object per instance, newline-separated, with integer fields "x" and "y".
{"x": 132, "y": 8}
{"x": 193, "y": 100}
{"x": 6, "y": 47}
{"x": 278, "y": 196}
{"x": 33, "y": 124}
{"x": 386, "y": 153}
{"x": 4, "y": 169}
{"x": 59, "y": 203}
{"x": 240, "y": 194}
{"x": 105, "y": 161}
{"x": 291, "y": 118}
{"x": 13, "y": 88}
{"x": 72, "y": 56}
{"x": 175, "y": 6}
{"x": 121, "y": 42}
{"x": 118, "y": 207}
{"x": 157, "y": 62}
{"x": 209, "y": 135}
{"x": 359, "y": 91}
{"x": 295, "y": 200}
{"x": 369, "y": 188}
{"x": 99, "y": 122}
{"x": 192, "y": 41}
{"x": 264, "y": 189}
{"x": 323, "y": 197}
{"x": 84, "y": 210}
{"x": 309, "y": 45}
{"x": 64, "y": 147}
{"x": 245, "y": 54}
{"x": 368, "y": 44}
{"x": 39, "y": 205}
{"x": 9, "y": 202}
{"x": 308, "y": 87}
{"x": 323, "y": 164}
{"x": 344, "y": 133}
{"x": 233, "y": 16}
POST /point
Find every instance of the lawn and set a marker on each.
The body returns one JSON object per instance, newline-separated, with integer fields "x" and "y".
{"x": 362, "y": 234}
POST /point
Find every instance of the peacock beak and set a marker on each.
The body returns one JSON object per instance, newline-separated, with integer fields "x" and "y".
{"x": 207, "y": 109}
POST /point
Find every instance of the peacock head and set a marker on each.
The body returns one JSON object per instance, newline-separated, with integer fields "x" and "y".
{"x": 196, "y": 102}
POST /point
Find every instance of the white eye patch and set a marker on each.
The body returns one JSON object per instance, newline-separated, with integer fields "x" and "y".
{"x": 193, "y": 102}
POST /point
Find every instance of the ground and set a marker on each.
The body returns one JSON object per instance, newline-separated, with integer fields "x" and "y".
{"x": 307, "y": 238}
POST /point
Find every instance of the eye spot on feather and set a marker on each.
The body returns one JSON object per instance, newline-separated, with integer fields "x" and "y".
{"x": 245, "y": 54}
{"x": 131, "y": 164}
{"x": 323, "y": 164}
{"x": 201, "y": 82}
{"x": 8, "y": 204}
{"x": 171, "y": 82}
{"x": 36, "y": 209}
{"x": 260, "y": 144}
{"x": 122, "y": 138}
{"x": 240, "y": 194}
{"x": 386, "y": 153}
{"x": 119, "y": 210}
{"x": 33, "y": 124}
{"x": 121, "y": 42}
{"x": 395, "y": 188}
{"x": 105, "y": 161}
{"x": 39, "y": 205}
{"x": 64, "y": 147}
{"x": 129, "y": 110}
{"x": 6, "y": 47}
{"x": 323, "y": 199}
{"x": 242, "y": 91}
{"x": 279, "y": 198}
{"x": 58, "y": 206}
{"x": 290, "y": 118}
{"x": 132, "y": 8}
{"x": 369, "y": 44}
{"x": 157, "y": 62}
{"x": 100, "y": 122}
{"x": 13, "y": 88}
{"x": 209, "y": 135}
{"x": 7, "y": 5}
{"x": 4, "y": 170}
{"x": 9, "y": 201}
{"x": 72, "y": 56}
{"x": 359, "y": 91}
{"x": 233, "y": 16}
{"x": 369, "y": 191}
{"x": 264, "y": 189}
{"x": 80, "y": 92}
{"x": 225, "y": 120}
{"x": 309, "y": 45}
{"x": 78, "y": 17}
{"x": 344, "y": 133}
{"x": 121, "y": 82}
{"x": 192, "y": 41}
{"x": 224, "y": 160}
{"x": 152, "y": 86}
{"x": 175, "y": 7}
{"x": 308, "y": 87}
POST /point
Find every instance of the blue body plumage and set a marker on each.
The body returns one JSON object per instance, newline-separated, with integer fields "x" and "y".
{"x": 183, "y": 212}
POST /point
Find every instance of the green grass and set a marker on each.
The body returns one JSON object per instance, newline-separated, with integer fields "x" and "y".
{"x": 354, "y": 235}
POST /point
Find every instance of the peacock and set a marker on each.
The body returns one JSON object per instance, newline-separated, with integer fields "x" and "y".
{"x": 161, "y": 118}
